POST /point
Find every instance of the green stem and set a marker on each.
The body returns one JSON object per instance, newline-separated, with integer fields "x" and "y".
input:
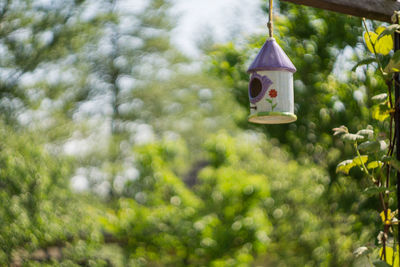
{"x": 364, "y": 168}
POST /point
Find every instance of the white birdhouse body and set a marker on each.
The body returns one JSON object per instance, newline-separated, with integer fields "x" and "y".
{"x": 271, "y": 86}
{"x": 277, "y": 98}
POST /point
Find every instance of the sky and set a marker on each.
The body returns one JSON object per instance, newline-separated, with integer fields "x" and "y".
{"x": 220, "y": 18}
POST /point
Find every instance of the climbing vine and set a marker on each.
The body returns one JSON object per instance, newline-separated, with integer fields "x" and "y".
{"x": 374, "y": 151}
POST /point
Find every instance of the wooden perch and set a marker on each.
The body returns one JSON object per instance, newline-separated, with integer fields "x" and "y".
{"x": 371, "y": 9}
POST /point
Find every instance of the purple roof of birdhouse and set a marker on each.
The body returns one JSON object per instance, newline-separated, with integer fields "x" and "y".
{"x": 271, "y": 57}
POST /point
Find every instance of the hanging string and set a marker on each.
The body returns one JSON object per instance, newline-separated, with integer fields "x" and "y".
{"x": 270, "y": 25}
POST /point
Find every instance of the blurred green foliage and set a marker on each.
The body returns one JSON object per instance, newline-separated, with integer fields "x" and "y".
{"x": 39, "y": 214}
{"x": 169, "y": 172}
{"x": 241, "y": 207}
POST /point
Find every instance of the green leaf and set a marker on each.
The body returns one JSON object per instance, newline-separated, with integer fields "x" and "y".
{"x": 340, "y": 130}
{"x": 380, "y": 112}
{"x": 389, "y": 30}
{"x": 370, "y": 191}
{"x": 385, "y": 44}
{"x": 394, "y": 63}
{"x": 369, "y": 39}
{"x": 361, "y": 251}
{"x": 375, "y": 164}
{"x": 396, "y": 56}
{"x": 382, "y": 46}
{"x": 386, "y": 158}
{"x": 362, "y": 261}
{"x": 370, "y": 146}
{"x": 360, "y": 160}
{"x": 364, "y": 62}
{"x": 345, "y": 166}
{"x": 380, "y": 98}
{"x": 352, "y": 137}
{"x": 379, "y": 263}
{"x": 366, "y": 132}
{"x": 389, "y": 257}
{"x": 395, "y": 164}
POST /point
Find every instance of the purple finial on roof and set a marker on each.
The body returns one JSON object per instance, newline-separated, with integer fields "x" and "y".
{"x": 271, "y": 57}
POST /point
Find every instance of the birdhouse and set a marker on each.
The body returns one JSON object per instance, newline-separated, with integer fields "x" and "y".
{"x": 271, "y": 86}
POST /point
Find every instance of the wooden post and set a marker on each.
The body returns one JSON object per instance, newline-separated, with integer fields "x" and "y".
{"x": 371, "y": 9}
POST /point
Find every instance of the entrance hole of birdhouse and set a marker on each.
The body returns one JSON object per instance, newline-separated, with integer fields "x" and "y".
{"x": 255, "y": 87}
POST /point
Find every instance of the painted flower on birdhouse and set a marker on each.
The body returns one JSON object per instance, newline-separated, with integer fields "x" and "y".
{"x": 273, "y": 93}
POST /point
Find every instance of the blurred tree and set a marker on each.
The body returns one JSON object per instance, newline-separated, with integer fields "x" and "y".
{"x": 41, "y": 220}
{"x": 135, "y": 48}
{"x": 133, "y": 53}
{"x": 34, "y": 36}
